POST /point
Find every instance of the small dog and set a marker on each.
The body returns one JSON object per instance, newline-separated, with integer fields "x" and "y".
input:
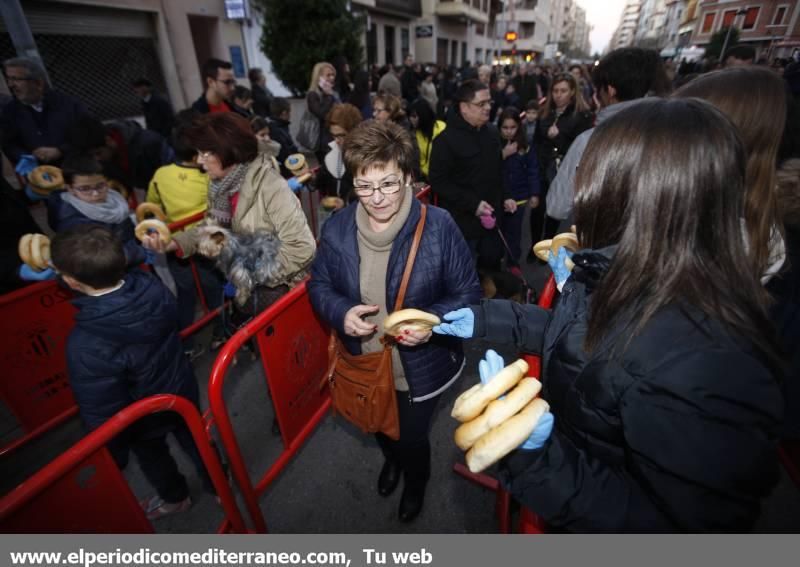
{"x": 247, "y": 260}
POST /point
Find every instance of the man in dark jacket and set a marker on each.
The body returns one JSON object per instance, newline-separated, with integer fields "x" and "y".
{"x": 262, "y": 97}
{"x": 38, "y": 119}
{"x": 279, "y": 131}
{"x": 526, "y": 84}
{"x": 219, "y": 83}
{"x": 158, "y": 113}
{"x": 125, "y": 347}
{"x": 409, "y": 81}
{"x": 466, "y": 173}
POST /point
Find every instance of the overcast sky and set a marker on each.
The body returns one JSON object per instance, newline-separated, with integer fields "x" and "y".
{"x": 604, "y": 16}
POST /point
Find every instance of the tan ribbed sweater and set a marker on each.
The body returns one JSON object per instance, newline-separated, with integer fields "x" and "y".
{"x": 374, "y": 249}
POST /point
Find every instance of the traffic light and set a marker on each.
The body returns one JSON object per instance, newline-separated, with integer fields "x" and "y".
{"x": 511, "y": 36}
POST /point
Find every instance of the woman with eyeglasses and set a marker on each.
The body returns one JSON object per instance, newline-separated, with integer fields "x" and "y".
{"x": 562, "y": 118}
{"x": 333, "y": 177}
{"x": 246, "y": 194}
{"x": 355, "y": 280}
{"x": 389, "y": 108}
{"x": 87, "y": 199}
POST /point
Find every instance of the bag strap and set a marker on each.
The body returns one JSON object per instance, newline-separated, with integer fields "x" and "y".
{"x": 412, "y": 254}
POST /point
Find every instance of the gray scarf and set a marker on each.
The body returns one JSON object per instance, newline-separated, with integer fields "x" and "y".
{"x": 113, "y": 211}
{"x": 220, "y": 193}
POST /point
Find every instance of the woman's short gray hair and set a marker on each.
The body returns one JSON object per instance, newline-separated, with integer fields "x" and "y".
{"x": 34, "y": 68}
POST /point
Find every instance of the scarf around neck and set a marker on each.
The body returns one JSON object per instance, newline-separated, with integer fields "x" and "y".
{"x": 113, "y": 211}
{"x": 221, "y": 191}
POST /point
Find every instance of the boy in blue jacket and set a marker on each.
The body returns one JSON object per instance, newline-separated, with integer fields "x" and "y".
{"x": 125, "y": 347}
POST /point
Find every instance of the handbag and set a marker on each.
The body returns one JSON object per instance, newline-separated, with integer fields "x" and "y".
{"x": 362, "y": 386}
{"x": 308, "y": 132}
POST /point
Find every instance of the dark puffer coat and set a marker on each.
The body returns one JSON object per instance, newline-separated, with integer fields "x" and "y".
{"x": 443, "y": 279}
{"x": 125, "y": 347}
{"x": 675, "y": 434}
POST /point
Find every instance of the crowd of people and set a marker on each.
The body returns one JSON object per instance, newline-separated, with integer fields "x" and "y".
{"x": 669, "y": 361}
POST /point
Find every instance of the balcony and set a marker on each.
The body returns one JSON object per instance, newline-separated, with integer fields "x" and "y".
{"x": 407, "y": 8}
{"x": 461, "y": 10}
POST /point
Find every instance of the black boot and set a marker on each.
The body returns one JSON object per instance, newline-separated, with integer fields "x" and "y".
{"x": 389, "y": 477}
{"x": 411, "y": 501}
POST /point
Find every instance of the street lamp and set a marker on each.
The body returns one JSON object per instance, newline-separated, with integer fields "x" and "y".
{"x": 739, "y": 12}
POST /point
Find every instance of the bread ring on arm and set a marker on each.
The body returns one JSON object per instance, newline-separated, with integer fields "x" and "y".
{"x": 566, "y": 239}
{"x": 331, "y": 203}
{"x": 40, "y": 252}
{"x": 411, "y": 319}
{"x": 24, "y": 249}
{"x": 144, "y": 227}
{"x": 46, "y": 178}
{"x": 151, "y": 208}
{"x": 506, "y": 437}
{"x": 497, "y": 412}
{"x": 471, "y": 403}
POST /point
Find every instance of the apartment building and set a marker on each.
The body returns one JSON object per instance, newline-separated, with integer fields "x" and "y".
{"x": 771, "y": 26}
{"x": 625, "y": 34}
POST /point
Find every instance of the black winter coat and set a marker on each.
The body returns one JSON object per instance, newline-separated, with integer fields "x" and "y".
{"x": 675, "y": 434}
{"x": 466, "y": 167}
{"x": 570, "y": 124}
{"x": 158, "y": 115}
{"x": 125, "y": 347}
{"x": 443, "y": 279}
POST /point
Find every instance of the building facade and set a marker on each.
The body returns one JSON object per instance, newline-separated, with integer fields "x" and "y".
{"x": 770, "y": 26}
{"x": 625, "y": 34}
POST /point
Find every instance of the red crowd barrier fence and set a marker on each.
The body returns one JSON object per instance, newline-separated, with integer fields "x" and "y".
{"x": 82, "y": 490}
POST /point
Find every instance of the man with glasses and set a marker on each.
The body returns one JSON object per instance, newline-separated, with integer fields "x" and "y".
{"x": 466, "y": 173}
{"x": 37, "y": 120}
{"x": 220, "y": 82}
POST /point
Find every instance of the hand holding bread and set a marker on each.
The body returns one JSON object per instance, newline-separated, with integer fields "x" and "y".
{"x": 500, "y": 414}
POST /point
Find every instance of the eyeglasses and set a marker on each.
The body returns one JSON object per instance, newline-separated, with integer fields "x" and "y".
{"x": 483, "y": 104}
{"x": 228, "y": 82}
{"x": 385, "y": 188}
{"x": 86, "y": 189}
{"x": 377, "y": 110}
{"x": 340, "y": 135}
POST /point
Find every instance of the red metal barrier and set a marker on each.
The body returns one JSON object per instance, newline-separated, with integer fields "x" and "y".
{"x": 82, "y": 490}
{"x": 35, "y": 322}
{"x": 529, "y": 523}
{"x": 293, "y": 345}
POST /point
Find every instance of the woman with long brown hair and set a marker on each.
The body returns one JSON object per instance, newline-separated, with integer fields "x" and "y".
{"x": 563, "y": 116}
{"x": 754, "y": 99}
{"x": 658, "y": 361}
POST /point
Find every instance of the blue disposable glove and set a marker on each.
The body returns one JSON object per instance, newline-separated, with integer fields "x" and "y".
{"x": 30, "y": 275}
{"x": 26, "y": 164}
{"x": 229, "y": 290}
{"x": 559, "y": 267}
{"x": 541, "y": 433}
{"x": 461, "y": 323}
{"x": 149, "y": 257}
{"x": 33, "y": 195}
{"x": 294, "y": 184}
{"x": 490, "y": 365}
{"x": 488, "y": 369}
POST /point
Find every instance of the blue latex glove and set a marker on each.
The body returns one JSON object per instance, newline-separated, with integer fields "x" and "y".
{"x": 294, "y": 184}
{"x": 26, "y": 164}
{"x": 229, "y": 290}
{"x": 490, "y": 365}
{"x": 542, "y": 431}
{"x": 557, "y": 264}
{"x": 149, "y": 256}
{"x": 488, "y": 369}
{"x": 30, "y": 275}
{"x": 461, "y": 323}
{"x": 33, "y": 195}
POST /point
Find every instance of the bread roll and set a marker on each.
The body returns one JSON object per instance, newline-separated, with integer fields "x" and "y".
{"x": 24, "y": 249}
{"x": 542, "y": 248}
{"x": 331, "y": 203}
{"x": 506, "y": 437}
{"x": 40, "y": 252}
{"x": 151, "y": 208}
{"x": 409, "y": 319}
{"x": 144, "y": 227}
{"x": 497, "y": 412}
{"x": 471, "y": 403}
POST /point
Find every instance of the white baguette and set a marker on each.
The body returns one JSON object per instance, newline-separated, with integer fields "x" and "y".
{"x": 506, "y": 437}
{"x": 497, "y": 412}
{"x": 411, "y": 319}
{"x": 471, "y": 403}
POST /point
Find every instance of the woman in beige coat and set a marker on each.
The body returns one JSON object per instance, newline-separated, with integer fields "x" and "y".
{"x": 246, "y": 195}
